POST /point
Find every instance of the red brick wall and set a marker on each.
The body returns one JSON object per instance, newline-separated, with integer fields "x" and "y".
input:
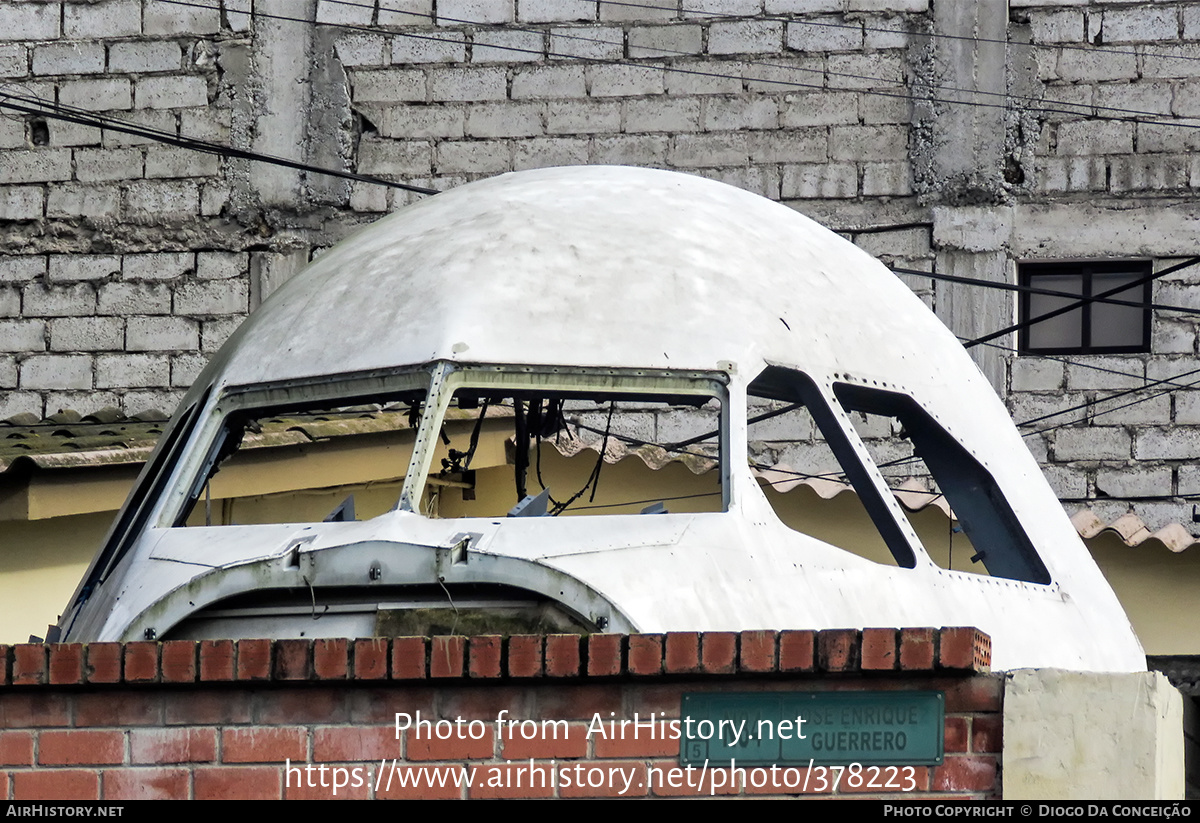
{"x": 223, "y": 719}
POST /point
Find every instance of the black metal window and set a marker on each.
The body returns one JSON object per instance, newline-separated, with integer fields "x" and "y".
{"x": 1090, "y": 328}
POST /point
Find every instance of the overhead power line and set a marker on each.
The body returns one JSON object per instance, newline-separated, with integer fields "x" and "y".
{"x": 878, "y": 29}
{"x": 1123, "y": 393}
{"x": 57, "y": 111}
{"x": 38, "y": 107}
{"x": 1082, "y": 301}
{"x": 1039, "y": 106}
{"x": 991, "y": 284}
{"x": 1103, "y": 412}
{"x": 1094, "y": 414}
{"x": 1087, "y": 110}
{"x": 1083, "y": 364}
{"x": 780, "y": 18}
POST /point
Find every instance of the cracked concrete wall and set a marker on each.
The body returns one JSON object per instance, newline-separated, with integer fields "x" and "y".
{"x": 124, "y": 264}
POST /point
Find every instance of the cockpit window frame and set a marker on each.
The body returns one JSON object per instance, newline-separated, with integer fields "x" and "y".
{"x": 794, "y": 386}
{"x": 980, "y": 506}
{"x": 212, "y": 429}
{"x": 450, "y": 377}
{"x": 971, "y": 490}
{"x": 202, "y": 445}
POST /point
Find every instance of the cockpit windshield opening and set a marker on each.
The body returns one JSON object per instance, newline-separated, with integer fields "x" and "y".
{"x": 919, "y": 487}
{"x": 305, "y": 464}
{"x": 575, "y": 453}
{"x": 517, "y": 449}
{"x": 921, "y": 498}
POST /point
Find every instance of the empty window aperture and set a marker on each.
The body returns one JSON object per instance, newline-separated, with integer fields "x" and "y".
{"x": 566, "y": 454}
{"x": 805, "y": 484}
{"x": 920, "y": 459}
{"x": 809, "y": 474}
{"x": 921, "y": 499}
{"x": 307, "y": 465}
{"x": 497, "y": 452}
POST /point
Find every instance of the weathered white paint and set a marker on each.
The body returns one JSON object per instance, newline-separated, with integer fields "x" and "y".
{"x": 653, "y": 274}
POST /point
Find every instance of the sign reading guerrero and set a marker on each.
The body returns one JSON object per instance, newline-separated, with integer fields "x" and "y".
{"x": 799, "y": 728}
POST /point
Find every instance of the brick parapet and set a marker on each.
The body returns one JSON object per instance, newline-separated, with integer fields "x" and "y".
{"x": 445, "y": 659}
{"x": 170, "y": 732}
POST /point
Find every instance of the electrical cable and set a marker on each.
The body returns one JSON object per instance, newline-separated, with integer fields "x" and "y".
{"x": 1081, "y": 364}
{"x": 761, "y": 482}
{"x": 644, "y": 502}
{"x": 904, "y": 460}
{"x": 593, "y": 480}
{"x": 833, "y": 476}
{"x": 700, "y": 438}
{"x": 1166, "y": 381}
{"x": 990, "y": 284}
{"x": 65, "y": 113}
{"x": 1089, "y": 404}
{"x": 1010, "y": 287}
{"x": 57, "y": 111}
{"x": 473, "y": 443}
{"x": 1093, "y": 415}
{"x": 908, "y": 95}
{"x": 1135, "y": 498}
{"x": 933, "y": 35}
{"x": 1082, "y": 301}
{"x": 1103, "y": 412}
{"x": 1138, "y": 498}
{"x": 439, "y": 18}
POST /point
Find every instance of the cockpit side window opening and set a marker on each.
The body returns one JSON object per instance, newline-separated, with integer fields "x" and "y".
{"x": 303, "y": 453}
{"x": 923, "y": 458}
{"x": 570, "y": 442}
{"x": 305, "y": 465}
{"x": 815, "y": 475}
{"x": 912, "y": 483}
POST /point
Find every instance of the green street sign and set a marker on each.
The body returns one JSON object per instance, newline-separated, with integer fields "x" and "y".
{"x": 823, "y": 728}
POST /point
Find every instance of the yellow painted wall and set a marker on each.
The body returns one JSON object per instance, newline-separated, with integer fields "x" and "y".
{"x": 41, "y": 562}
{"x": 1158, "y": 590}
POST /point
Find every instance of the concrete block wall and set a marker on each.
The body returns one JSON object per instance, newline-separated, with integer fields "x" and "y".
{"x": 127, "y": 262}
{"x": 126, "y": 330}
{"x": 1131, "y": 452}
{"x": 741, "y": 100}
{"x": 116, "y": 280}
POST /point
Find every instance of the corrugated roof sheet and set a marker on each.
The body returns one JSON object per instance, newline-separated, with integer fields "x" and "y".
{"x": 68, "y": 440}
{"x": 1133, "y": 530}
